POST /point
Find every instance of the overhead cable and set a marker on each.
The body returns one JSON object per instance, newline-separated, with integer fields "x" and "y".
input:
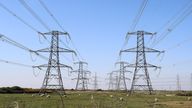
{"x": 15, "y": 63}
{"x": 19, "y": 18}
{"x": 135, "y": 21}
{"x": 175, "y": 22}
{"x": 14, "y": 43}
{"x": 27, "y": 7}
{"x": 57, "y": 22}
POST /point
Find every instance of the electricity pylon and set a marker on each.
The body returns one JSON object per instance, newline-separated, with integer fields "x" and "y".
{"x": 53, "y": 79}
{"x": 121, "y": 83}
{"x": 82, "y": 78}
{"x": 95, "y": 82}
{"x": 141, "y": 77}
{"x": 110, "y": 87}
{"x": 191, "y": 81}
{"x": 113, "y": 79}
{"x": 178, "y": 83}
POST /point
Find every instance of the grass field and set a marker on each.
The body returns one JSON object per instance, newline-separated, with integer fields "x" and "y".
{"x": 95, "y": 100}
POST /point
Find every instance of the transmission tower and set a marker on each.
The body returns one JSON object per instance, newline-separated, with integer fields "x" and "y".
{"x": 53, "y": 79}
{"x": 178, "y": 83}
{"x": 110, "y": 87}
{"x": 82, "y": 78}
{"x": 141, "y": 77}
{"x": 191, "y": 81}
{"x": 113, "y": 79}
{"x": 121, "y": 83}
{"x": 95, "y": 82}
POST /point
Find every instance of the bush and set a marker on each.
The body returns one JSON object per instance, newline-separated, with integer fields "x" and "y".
{"x": 99, "y": 90}
{"x": 14, "y": 89}
{"x": 184, "y": 94}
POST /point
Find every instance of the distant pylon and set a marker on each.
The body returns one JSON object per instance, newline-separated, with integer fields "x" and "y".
{"x": 121, "y": 83}
{"x": 82, "y": 78}
{"x": 178, "y": 83}
{"x": 95, "y": 82}
{"x": 191, "y": 81}
{"x": 53, "y": 79}
{"x": 110, "y": 87}
{"x": 113, "y": 79}
{"x": 141, "y": 77}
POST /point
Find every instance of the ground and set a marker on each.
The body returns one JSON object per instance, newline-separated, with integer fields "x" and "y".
{"x": 95, "y": 100}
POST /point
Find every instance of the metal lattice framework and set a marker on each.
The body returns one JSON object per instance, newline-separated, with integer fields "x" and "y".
{"x": 178, "y": 83}
{"x": 113, "y": 80}
{"x": 191, "y": 81}
{"x": 82, "y": 78}
{"x": 53, "y": 79}
{"x": 141, "y": 77}
{"x": 121, "y": 83}
{"x": 95, "y": 82}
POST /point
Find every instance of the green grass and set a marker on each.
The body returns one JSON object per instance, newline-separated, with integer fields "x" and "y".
{"x": 83, "y": 100}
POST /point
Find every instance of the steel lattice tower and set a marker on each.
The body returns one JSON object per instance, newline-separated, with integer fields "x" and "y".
{"x": 113, "y": 80}
{"x": 110, "y": 87}
{"x": 178, "y": 83}
{"x": 141, "y": 77}
{"x": 95, "y": 82}
{"x": 121, "y": 83}
{"x": 82, "y": 78}
{"x": 53, "y": 79}
{"x": 191, "y": 81}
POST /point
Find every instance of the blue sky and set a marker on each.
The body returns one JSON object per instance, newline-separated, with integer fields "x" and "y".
{"x": 98, "y": 29}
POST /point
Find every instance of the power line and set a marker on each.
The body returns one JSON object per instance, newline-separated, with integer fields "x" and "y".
{"x": 15, "y": 63}
{"x": 134, "y": 24}
{"x": 27, "y": 7}
{"x": 37, "y": 17}
{"x": 14, "y": 43}
{"x": 178, "y": 19}
{"x": 10, "y": 41}
{"x": 139, "y": 14}
{"x": 19, "y": 18}
{"x": 136, "y": 21}
{"x": 54, "y": 18}
{"x": 57, "y": 22}
{"x": 74, "y": 46}
{"x": 49, "y": 12}
{"x": 173, "y": 17}
{"x": 41, "y": 21}
{"x": 179, "y": 44}
{"x": 22, "y": 20}
{"x": 74, "y": 49}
